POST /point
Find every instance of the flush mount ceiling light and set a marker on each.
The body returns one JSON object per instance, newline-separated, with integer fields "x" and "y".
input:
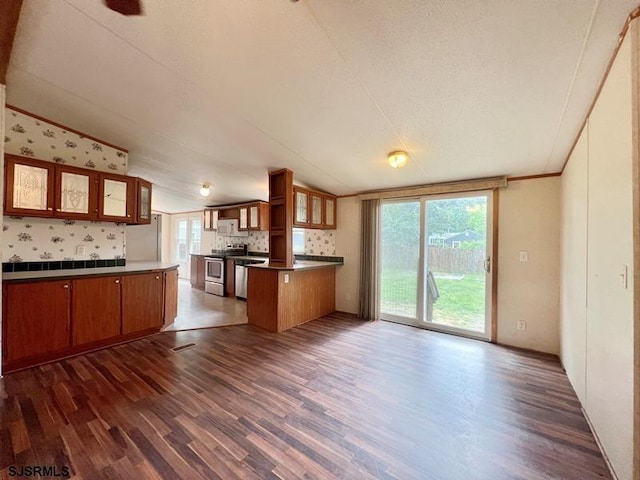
{"x": 397, "y": 159}
{"x": 205, "y": 190}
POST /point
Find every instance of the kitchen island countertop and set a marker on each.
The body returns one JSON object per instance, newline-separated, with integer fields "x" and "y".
{"x": 298, "y": 265}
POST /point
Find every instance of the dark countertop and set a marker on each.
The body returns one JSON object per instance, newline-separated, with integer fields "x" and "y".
{"x": 130, "y": 267}
{"x": 299, "y": 265}
{"x": 249, "y": 257}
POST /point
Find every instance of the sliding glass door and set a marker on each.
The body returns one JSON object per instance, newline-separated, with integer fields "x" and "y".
{"x": 400, "y": 260}
{"x": 435, "y": 263}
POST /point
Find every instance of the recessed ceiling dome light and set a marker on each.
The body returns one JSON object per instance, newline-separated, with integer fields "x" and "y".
{"x": 205, "y": 190}
{"x": 398, "y": 158}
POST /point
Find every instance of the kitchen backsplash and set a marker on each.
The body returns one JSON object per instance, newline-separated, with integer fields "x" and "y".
{"x": 26, "y": 239}
{"x": 317, "y": 242}
{"x": 258, "y": 242}
{"x": 320, "y": 242}
{"x": 41, "y": 239}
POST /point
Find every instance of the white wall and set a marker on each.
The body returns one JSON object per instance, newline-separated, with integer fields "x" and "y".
{"x": 348, "y": 246}
{"x": 597, "y": 242}
{"x": 528, "y": 291}
{"x": 573, "y": 278}
{"x": 166, "y": 236}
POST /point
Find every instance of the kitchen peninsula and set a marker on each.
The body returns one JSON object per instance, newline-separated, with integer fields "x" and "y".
{"x": 279, "y": 298}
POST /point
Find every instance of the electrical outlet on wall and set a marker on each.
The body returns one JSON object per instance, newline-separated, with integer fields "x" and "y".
{"x": 347, "y": 296}
{"x": 524, "y": 255}
{"x": 521, "y": 325}
{"x": 80, "y": 250}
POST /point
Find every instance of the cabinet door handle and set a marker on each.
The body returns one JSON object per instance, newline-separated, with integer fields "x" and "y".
{"x": 65, "y": 286}
{"x": 157, "y": 277}
{"x": 117, "y": 281}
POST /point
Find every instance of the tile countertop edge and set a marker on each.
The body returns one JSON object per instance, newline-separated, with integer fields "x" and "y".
{"x": 299, "y": 265}
{"x": 129, "y": 268}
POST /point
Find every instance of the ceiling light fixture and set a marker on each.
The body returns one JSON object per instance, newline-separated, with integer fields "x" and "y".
{"x": 205, "y": 190}
{"x": 398, "y": 158}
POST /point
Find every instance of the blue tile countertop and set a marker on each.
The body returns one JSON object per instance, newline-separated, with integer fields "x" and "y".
{"x": 130, "y": 267}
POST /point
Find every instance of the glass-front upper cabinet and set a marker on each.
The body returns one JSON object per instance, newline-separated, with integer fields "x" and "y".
{"x": 301, "y": 206}
{"x": 329, "y": 212}
{"x": 254, "y": 219}
{"x": 316, "y": 209}
{"x": 29, "y": 187}
{"x": 76, "y": 195}
{"x": 116, "y": 198}
{"x": 210, "y": 219}
{"x": 143, "y": 208}
{"x": 244, "y": 211}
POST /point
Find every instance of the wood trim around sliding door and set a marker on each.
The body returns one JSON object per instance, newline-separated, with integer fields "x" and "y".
{"x": 635, "y": 79}
{"x": 494, "y": 266}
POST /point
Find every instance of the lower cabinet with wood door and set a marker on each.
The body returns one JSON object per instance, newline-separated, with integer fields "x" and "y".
{"x": 36, "y": 319}
{"x": 45, "y": 320}
{"x": 141, "y": 302}
{"x": 95, "y": 309}
{"x": 197, "y": 271}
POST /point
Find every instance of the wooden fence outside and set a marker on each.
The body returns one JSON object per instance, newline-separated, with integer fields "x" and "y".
{"x": 441, "y": 259}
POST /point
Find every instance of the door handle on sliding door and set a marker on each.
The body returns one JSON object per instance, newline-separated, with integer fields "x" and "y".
{"x": 487, "y": 264}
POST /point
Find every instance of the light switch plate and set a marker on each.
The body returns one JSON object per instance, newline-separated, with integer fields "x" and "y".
{"x": 286, "y": 278}
{"x": 524, "y": 256}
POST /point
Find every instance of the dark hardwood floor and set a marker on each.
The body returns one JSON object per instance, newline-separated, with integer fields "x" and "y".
{"x": 335, "y": 398}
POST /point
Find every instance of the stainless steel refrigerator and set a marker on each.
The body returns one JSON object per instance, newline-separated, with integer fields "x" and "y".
{"x": 144, "y": 242}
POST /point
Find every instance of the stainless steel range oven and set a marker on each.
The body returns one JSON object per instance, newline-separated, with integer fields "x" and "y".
{"x": 214, "y": 276}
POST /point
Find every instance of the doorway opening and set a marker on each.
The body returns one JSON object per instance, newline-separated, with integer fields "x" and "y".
{"x": 187, "y": 240}
{"x": 435, "y": 263}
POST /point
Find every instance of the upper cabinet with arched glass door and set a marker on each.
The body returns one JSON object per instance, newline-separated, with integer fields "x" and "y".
{"x": 29, "y": 187}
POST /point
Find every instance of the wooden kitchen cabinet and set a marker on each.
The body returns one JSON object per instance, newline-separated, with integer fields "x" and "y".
{"x": 29, "y": 187}
{"x": 329, "y": 211}
{"x": 36, "y": 188}
{"x": 76, "y": 193}
{"x": 210, "y": 219}
{"x": 314, "y": 209}
{"x": 116, "y": 198}
{"x": 142, "y": 302}
{"x": 143, "y": 201}
{"x": 254, "y": 216}
{"x": 170, "y": 296}
{"x": 281, "y": 216}
{"x": 243, "y": 224}
{"x": 197, "y": 272}
{"x": 259, "y": 216}
{"x": 301, "y": 207}
{"x": 47, "y": 320}
{"x": 95, "y": 309}
{"x": 230, "y": 277}
{"x": 36, "y": 319}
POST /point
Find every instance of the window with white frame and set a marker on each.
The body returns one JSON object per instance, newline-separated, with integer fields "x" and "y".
{"x": 298, "y": 240}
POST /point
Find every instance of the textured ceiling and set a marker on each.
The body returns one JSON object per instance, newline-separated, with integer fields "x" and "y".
{"x": 222, "y": 91}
